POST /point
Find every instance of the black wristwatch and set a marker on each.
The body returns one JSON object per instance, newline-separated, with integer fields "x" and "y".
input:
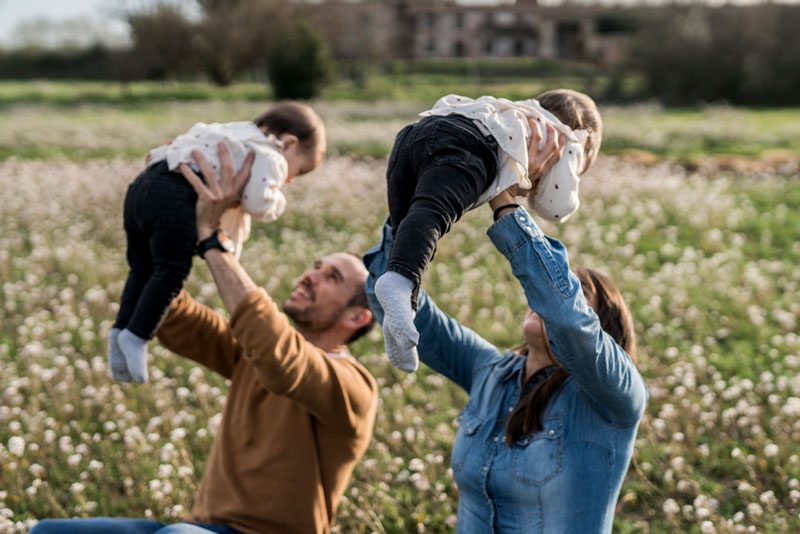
{"x": 218, "y": 240}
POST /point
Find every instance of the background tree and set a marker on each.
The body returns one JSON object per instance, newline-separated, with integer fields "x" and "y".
{"x": 356, "y": 34}
{"x": 162, "y": 43}
{"x": 738, "y": 54}
{"x": 234, "y": 35}
{"x": 301, "y": 66}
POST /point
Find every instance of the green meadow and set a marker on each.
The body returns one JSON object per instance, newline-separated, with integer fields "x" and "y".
{"x": 694, "y": 212}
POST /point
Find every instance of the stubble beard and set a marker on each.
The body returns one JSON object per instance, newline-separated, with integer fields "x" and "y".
{"x": 305, "y": 319}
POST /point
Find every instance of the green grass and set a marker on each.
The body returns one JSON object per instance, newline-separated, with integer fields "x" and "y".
{"x": 139, "y": 116}
{"x": 707, "y": 262}
{"x": 411, "y": 87}
{"x": 127, "y": 94}
{"x": 681, "y": 133}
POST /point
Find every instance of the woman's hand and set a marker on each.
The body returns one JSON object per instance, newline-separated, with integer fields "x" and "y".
{"x": 540, "y": 161}
{"x": 219, "y": 193}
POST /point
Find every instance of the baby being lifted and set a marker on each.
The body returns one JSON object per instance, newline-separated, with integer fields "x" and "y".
{"x": 287, "y": 140}
{"x": 461, "y": 154}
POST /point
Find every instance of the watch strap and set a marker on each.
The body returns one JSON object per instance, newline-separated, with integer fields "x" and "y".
{"x": 214, "y": 241}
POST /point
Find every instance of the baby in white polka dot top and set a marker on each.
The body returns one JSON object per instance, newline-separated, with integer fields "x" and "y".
{"x": 462, "y": 154}
{"x": 286, "y": 141}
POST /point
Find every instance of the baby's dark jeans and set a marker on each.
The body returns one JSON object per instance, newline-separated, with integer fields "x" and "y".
{"x": 438, "y": 168}
{"x": 160, "y": 227}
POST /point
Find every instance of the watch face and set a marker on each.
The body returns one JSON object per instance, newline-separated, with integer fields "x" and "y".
{"x": 225, "y": 240}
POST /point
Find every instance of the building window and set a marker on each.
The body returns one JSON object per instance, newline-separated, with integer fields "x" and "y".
{"x": 488, "y": 47}
{"x": 459, "y": 20}
{"x": 519, "y": 47}
{"x": 459, "y": 49}
{"x": 431, "y": 45}
{"x": 504, "y": 18}
{"x": 430, "y": 20}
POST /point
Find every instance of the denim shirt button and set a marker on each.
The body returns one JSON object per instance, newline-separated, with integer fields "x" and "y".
{"x": 551, "y": 433}
{"x": 496, "y": 439}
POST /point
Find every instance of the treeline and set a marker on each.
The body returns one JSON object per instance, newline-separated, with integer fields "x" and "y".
{"x": 681, "y": 54}
{"x": 258, "y": 39}
{"x": 747, "y": 55}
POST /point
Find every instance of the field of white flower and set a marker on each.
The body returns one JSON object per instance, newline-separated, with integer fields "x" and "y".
{"x": 708, "y": 263}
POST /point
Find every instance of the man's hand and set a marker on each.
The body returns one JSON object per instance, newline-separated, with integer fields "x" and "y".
{"x": 219, "y": 193}
{"x": 213, "y": 198}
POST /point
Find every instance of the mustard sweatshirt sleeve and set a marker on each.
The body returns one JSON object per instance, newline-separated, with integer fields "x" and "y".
{"x": 337, "y": 391}
{"x": 197, "y": 332}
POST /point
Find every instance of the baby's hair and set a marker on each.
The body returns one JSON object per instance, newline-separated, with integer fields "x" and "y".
{"x": 296, "y": 119}
{"x": 579, "y": 112}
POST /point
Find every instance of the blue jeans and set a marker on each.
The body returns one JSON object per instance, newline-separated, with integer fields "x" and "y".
{"x": 103, "y": 525}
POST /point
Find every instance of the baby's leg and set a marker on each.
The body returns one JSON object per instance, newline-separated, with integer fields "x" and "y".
{"x": 401, "y": 178}
{"x": 172, "y": 247}
{"x": 140, "y": 261}
{"x": 116, "y": 358}
{"x": 442, "y": 195}
{"x": 438, "y": 169}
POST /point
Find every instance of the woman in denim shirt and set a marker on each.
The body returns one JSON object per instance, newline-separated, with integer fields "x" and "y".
{"x": 545, "y": 440}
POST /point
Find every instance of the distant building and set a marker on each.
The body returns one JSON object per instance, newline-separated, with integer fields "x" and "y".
{"x": 417, "y": 29}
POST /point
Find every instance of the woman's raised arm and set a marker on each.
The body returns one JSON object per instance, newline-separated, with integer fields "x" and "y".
{"x": 600, "y": 367}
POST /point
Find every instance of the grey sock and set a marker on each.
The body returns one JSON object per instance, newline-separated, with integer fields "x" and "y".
{"x": 393, "y": 291}
{"x": 135, "y": 350}
{"x": 116, "y": 360}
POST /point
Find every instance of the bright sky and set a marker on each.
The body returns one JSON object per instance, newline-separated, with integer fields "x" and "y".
{"x": 14, "y": 12}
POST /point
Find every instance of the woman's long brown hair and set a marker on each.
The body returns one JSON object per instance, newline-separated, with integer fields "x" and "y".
{"x": 615, "y": 319}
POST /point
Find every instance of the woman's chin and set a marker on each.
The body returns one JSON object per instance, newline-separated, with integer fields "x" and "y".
{"x": 532, "y": 336}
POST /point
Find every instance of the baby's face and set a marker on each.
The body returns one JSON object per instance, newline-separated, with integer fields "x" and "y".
{"x": 302, "y": 161}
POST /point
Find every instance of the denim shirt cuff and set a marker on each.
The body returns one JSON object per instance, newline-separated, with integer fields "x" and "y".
{"x": 513, "y": 231}
{"x": 376, "y": 258}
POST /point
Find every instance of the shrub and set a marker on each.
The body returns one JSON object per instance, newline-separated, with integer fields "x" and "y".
{"x": 300, "y": 65}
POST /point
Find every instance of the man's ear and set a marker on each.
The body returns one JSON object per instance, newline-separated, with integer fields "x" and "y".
{"x": 357, "y": 317}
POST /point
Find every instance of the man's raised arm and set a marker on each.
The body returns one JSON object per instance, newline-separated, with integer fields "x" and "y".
{"x": 197, "y": 332}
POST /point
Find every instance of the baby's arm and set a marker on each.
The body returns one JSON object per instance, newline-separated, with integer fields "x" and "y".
{"x": 262, "y": 197}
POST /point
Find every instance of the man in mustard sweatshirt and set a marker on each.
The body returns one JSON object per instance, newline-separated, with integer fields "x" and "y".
{"x": 300, "y": 408}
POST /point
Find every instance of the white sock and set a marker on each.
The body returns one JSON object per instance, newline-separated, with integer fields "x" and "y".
{"x": 394, "y": 291}
{"x": 116, "y": 360}
{"x": 135, "y": 350}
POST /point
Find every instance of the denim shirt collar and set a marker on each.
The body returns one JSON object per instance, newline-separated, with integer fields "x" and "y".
{"x": 510, "y": 367}
{"x": 514, "y": 368}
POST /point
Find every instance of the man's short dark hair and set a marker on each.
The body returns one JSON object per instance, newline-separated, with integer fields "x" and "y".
{"x": 359, "y": 300}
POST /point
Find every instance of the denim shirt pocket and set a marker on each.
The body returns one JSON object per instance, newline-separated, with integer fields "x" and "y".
{"x": 538, "y": 458}
{"x": 466, "y": 436}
